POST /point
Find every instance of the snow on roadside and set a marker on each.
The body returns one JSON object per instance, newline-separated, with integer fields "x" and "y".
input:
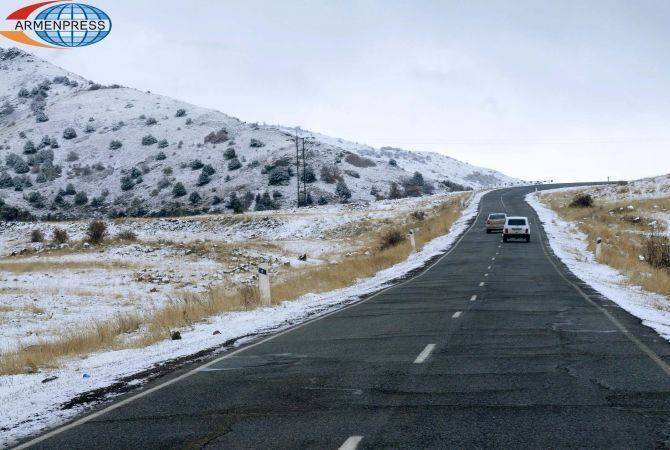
{"x": 30, "y": 406}
{"x": 570, "y": 245}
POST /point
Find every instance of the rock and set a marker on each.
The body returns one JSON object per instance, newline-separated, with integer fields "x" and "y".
{"x": 216, "y": 332}
{"x": 46, "y": 380}
{"x": 153, "y": 289}
{"x": 175, "y": 336}
{"x": 303, "y": 257}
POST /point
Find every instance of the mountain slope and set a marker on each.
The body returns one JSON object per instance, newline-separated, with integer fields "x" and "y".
{"x": 72, "y": 148}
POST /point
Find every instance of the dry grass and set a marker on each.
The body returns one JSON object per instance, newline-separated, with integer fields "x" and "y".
{"x": 190, "y": 308}
{"x": 625, "y": 234}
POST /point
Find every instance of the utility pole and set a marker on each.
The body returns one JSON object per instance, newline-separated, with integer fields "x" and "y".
{"x": 297, "y": 166}
{"x": 304, "y": 176}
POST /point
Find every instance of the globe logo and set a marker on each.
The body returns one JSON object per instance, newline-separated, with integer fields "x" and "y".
{"x": 73, "y": 12}
{"x": 59, "y": 24}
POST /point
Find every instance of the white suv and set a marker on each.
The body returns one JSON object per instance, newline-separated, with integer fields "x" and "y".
{"x": 516, "y": 228}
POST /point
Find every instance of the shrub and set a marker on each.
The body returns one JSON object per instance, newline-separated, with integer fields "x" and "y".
{"x": 352, "y": 173}
{"x": 80, "y": 198}
{"x": 160, "y": 156}
{"x": 208, "y": 169}
{"x": 135, "y": 173}
{"x": 29, "y": 148}
{"x": 255, "y": 143}
{"x": 36, "y": 236}
{"x": 127, "y": 183}
{"x": 342, "y": 191}
{"x": 72, "y": 156}
{"x": 180, "y": 112}
{"x": 391, "y": 238}
{"x": 6, "y": 109}
{"x": 308, "y": 175}
{"x": 127, "y": 235}
{"x": 36, "y": 199}
{"x": 97, "y": 230}
{"x": 322, "y": 200}
{"x": 163, "y": 143}
{"x": 393, "y": 162}
{"x": 69, "y": 189}
{"x": 41, "y": 117}
{"x": 234, "y": 164}
{"x": 395, "y": 192}
{"x": 582, "y": 201}
{"x": 196, "y": 164}
{"x": 279, "y": 176}
{"x": 69, "y": 133}
{"x": 6, "y": 181}
{"x": 216, "y": 137}
{"x": 359, "y": 161}
{"x": 24, "y": 93}
{"x": 163, "y": 183}
{"x": 115, "y": 145}
{"x": 178, "y": 190}
{"x": 265, "y": 202}
{"x": 235, "y": 204}
{"x": 203, "y": 179}
{"x": 149, "y": 140}
{"x": 89, "y": 129}
{"x": 150, "y": 121}
{"x": 229, "y": 153}
{"x": 330, "y": 173}
{"x": 194, "y": 198}
{"x": 189, "y": 121}
{"x": 657, "y": 251}
{"x": 97, "y": 202}
{"x": 59, "y": 236}
{"x": 20, "y": 166}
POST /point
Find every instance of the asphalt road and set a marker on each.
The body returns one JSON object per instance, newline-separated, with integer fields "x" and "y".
{"x": 497, "y": 345}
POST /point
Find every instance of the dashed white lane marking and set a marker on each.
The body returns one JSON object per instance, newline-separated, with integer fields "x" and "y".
{"x": 486, "y": 274}
{"x": 473, "y": 298}
{"x": 489, "y": 267}
{"x": 425, "y": 353}
{"x": 457, "y": 314}
{"x": 481, "y": 284}
{"x": 351, "y": 443}
{"x": 493, "y": 259}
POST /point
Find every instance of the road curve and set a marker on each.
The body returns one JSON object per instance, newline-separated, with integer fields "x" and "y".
{"x": 496, "y": 345}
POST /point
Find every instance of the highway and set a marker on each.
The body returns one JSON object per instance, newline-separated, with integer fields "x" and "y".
{"x": 495, "y": 345}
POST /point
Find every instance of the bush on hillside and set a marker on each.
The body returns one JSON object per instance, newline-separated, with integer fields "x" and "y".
{"x": 582, "y": 201}
{"x": 97, "y": 230}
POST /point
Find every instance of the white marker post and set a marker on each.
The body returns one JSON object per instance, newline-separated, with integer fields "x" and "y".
{"x": 412, "y": 240}
{"x": 599, "y": 247}
{"x": 264, "y": 284}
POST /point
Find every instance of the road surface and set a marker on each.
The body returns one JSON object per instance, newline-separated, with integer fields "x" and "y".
{"x": 496, "y": 345}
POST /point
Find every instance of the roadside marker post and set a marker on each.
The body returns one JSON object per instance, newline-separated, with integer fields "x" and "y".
{"x": 412, "y": 240}
{"x": 264, "y": 284}
{"x": 599, "y": 247}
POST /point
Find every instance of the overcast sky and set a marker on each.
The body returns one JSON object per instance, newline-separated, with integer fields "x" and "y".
{"x": 569, "y": 90}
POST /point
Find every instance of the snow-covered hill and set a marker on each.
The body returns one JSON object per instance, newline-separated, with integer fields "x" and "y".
{"x": 72, "y": 148}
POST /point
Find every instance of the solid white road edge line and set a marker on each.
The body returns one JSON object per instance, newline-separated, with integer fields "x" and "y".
{"x": 425, "y": 353}
{"x": 351, "y": 443}
{"x": 473, "y": 298}
{"x": 481, "y": 284}
{"x": 457, "y": 314}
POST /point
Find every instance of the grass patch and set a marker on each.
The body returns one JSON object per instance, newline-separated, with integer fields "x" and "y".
{"x": 627, "y": 229}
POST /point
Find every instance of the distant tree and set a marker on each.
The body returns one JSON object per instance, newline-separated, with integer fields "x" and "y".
{"x": 160, "y": 156}
{"x": 180, "y": 112}
{"x": 203, "y": 179}
{"x": 234, "y": 164}
{"x": 80, "y": 198}
{"x": 255, "y": 143}
{"x": 127, "y": 183}
{"x": 229, "y": 153}
{"x": 394, "y": 191}
{"x": 342, "y": 191}
{"x": 235, "y": 204}
{"x": 208, "y": 169}
{"x": 115, "y": 145}
{"x": 178, "y": 190}
{"x": 29, "y": 148}
{"x": 163, "y": 143}
{"x": 194, "y": 198}
{"x": 69, "y": 133}
{"x": 149, "y": 140}
{"x": 196, "y": 164}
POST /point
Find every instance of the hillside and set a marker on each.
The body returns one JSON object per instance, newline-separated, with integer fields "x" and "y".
{"x": 70, "y": 148}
